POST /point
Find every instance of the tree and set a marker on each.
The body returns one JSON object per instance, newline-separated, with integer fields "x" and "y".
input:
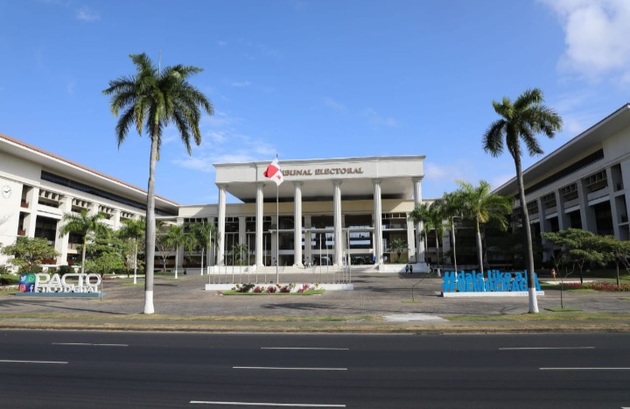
{"x": 203, "y": 237}
{"x": 453, "y": 206}
{"x": 162, "y": 242}
{"x": 175, "y": 237}
{"x": 85, "y": 225}
{"x": 398, "y": 246}
{"x": 28, "y": 253}
{"x": 480, "y": 205}
{"x": 616, "y": 251}
{"x": 107, "y": 253}
{"x": 420, "y": 214}
{"x": 523, "y": 119}
{"x": 152, "y": 99}
{"x": 133, "y": 231}
{"x": 237, "y": 252}
{"x": 432, "y": 216}
{"x": 576, "y": 247}
{"x": 573, "y": 248}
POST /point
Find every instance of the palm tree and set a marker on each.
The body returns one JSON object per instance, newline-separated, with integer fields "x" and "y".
{"x": 153, "y": 99}
{"x": 175, "y": 237}
{"x": 432, "y": 216}
{"x": 238, "y": 249}
{"x": 398, "y": 246}
{"x": 523, "y": 119}
{"x": 453, "y": 206}
{"x": 203, "y": 236}
{"x": 84, "y": 225}
{"x": 483, "y": 206}
{"x": 420, "y": 214}
{"x": 133, "y": 230}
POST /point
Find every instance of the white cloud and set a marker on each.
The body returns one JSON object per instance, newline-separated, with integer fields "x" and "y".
{"x": 334, "y": 105}
{"x": 241, "y": 84}
{"x": 378, "y": 120}
{"x": 86, "y": 14}
{"x": 596, "y": 37}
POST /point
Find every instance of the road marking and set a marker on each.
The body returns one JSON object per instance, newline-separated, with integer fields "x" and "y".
{"x": 14, "y": 361}
{"x": 308, "y": 348}
{"x": 278, "y": 368}
{"x": 586, "y": 369}
{"x": 89, "y": 344}
{"x": 540, "y": 348}
{"x": 286, "y": 405}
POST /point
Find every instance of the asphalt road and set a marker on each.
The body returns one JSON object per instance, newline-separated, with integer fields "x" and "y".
{"x": 181, "y": 370}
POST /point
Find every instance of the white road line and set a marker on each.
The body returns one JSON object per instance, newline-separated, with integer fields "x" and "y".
{"x": 14, "y": 361}
{"x": 277, "y": 405}
{"x": 586, "y": 369}
{"x": 541, "y": 348}
{"x": 277, "y": 368}
{"x": 89, "y": 344}
{"x": 308, "y": 348}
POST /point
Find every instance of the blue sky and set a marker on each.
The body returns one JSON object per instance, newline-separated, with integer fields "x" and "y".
{"x": 310, "y": 79}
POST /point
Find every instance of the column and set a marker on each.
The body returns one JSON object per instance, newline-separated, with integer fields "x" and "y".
{"x": 562, "y": 216}
{"x": 544, "y": 227}
{"x": 308, "y": 254}
{"x": 297, "y": 232}
{"x": 242, "y": 236}
{"x": 378, "y": 222}
{"x": 259, "y": 224}
{"x": 338, "y": 261}
{"x": 612, "y": 202}
{"x": 61, "y": 242}
{"x": 417, "y": 199}
{"x": 221, "y": 227}
{"x": 586, "y": 212}
{"x": 30, "y": 221}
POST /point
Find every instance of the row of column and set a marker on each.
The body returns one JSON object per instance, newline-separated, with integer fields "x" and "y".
{"x": 337, "y": 219}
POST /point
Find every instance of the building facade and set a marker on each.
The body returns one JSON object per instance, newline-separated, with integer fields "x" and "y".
{"x": 584, "y": 184}
{"x": 331, "y": 211}
{"x": 327, "y": 211}
{"x": 37, "y": 188}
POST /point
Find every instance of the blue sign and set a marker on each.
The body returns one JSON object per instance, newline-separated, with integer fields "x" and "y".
{"x": 495, "y": 281}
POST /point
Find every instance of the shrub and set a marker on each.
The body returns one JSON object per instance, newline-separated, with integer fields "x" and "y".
{"x": 63, "y": 270}
{"x": 608, "y": 286}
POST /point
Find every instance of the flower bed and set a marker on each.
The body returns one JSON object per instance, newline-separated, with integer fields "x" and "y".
{"x": 597, "y": 286}
{"x": 276, "y": 289}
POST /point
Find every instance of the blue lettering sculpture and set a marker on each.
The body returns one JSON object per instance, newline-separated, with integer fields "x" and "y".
{"x": 495, "y": 281}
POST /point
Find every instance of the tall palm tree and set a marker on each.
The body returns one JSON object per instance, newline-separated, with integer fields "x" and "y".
{"x": 522, "y": 119}
{"x": 84, "y": 225}
{"x": 153, "y": 99}
{"x": 133, "y": 230}
{"x": 483, "y": 206}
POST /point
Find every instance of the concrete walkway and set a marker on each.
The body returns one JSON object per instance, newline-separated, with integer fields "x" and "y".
{"x": 389, "y": 301}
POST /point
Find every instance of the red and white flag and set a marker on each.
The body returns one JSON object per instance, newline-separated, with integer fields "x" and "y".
{"x": 274, "y": 172}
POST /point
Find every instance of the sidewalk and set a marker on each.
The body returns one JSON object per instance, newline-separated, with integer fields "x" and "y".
{"x": 379, "y": 303}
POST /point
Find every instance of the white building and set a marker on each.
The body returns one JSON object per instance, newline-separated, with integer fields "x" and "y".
{"x": 333, "y": 211}
{"x": 584, "y": 184}
{"x": 326, "y": 211}
{"x": 37, "y": 188}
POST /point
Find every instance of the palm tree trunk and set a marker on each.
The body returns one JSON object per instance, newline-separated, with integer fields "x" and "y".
{"x": 135, "y": 262}
{"x": 531, "y": 286}
{"x": 176, "y": 259}
{"x": 83, "y": 254}
{"x": 202, "y": 257}
{"x": 150, "y": 230}
{"x": 479, "y": 248}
